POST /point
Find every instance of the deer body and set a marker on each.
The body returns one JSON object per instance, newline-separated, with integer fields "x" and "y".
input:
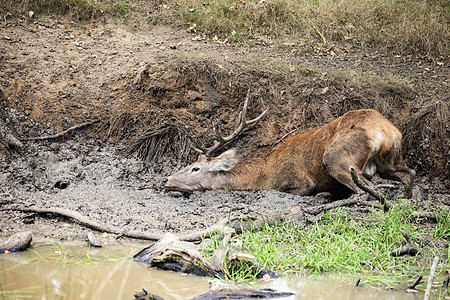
{"x": 313, "y": 161}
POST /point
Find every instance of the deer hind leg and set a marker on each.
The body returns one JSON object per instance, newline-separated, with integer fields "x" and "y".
{"x": 403, "y": 174}
{"x": 350, "y": 150}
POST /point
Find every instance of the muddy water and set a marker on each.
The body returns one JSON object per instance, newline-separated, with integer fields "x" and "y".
{"x": 76, "y": 272}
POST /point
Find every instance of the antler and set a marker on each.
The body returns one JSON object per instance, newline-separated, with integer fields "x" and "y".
{"x": 242, "y": 123}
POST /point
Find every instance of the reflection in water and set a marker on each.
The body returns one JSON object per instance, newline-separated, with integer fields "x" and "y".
{"x": 52, "y": 273}
{"x": 326, "y": 288}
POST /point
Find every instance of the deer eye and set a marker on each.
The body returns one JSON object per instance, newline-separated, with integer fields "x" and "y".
{"x": 195, "y": 169}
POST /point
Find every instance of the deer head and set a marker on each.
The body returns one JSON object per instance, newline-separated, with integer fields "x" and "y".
{"x": 209, "y": 172}
{"x": 205, "y": 173}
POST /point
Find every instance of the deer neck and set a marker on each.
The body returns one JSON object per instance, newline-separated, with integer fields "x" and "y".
{"x": 248, "y": 174}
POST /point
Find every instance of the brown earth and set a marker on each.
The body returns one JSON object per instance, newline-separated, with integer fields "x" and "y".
{"x": 155, "y": 91}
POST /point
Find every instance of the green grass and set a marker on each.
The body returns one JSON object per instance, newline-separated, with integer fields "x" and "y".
{"x": 344, "y": 243}
{"x": 405, "y": 26}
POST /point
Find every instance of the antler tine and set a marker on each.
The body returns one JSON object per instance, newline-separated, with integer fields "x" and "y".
{"x": 241, "y": 124}
{"x": 252, "y": 122}
{"x": 199, "y": 150}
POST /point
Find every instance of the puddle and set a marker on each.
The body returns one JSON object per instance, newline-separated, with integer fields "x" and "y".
{"x": 76, "y": 272}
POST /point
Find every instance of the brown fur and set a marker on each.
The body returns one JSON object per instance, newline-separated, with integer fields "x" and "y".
{"x": 313, "y": 161}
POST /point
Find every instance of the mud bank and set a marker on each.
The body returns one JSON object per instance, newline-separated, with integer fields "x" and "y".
{"x": 136, "y": 82}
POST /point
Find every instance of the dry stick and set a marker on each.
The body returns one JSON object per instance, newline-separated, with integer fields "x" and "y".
{"x": 62, "y": 133}
{"x": 416, "y": 282}
{"x": 195, "y": 236}
{"x": 431, "y": 278}
{"x": 346, "y": 202}
{"x": 409, "y": 248}
{"x": 368, "y": 189}
{"x": 445, "y": 283}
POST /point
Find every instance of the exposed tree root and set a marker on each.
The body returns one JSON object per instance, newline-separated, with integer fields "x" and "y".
{"x": 62, "y": 133}
{"x": 368, "y": 189}
{"x": 195, "y": 236}
{"x": 160, "y": 139}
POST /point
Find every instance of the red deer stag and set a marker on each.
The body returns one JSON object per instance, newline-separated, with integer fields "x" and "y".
{"x": 313, "y": 161}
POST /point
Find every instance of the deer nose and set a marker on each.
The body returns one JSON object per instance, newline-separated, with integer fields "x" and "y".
{"x": 165, "y": 181}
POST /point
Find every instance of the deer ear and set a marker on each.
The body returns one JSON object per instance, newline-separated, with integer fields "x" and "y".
{"x": 229, "y": 154}
{"x": 225, "y": 161}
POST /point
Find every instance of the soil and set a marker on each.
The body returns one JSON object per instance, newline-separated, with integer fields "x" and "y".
{"x": 153, "y": 91}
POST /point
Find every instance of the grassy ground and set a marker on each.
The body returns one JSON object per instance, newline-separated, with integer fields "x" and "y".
{"x": 402, "y": 26}
{"x": 81, "y": 10}
{"x": 349, "y": 244}
{"x": 406, "y": 27}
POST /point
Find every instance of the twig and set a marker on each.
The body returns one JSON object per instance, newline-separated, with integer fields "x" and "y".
{"x": 416, "y": 282}
{"x": 409, "y": 248}
{"x": 431, "y": 277}
{"x": 62, "y": 133}
{"x": 368, "y": 189}
{"x": 195, "y": 236}
{"x": 346, "y": 202}
{"x": 445, "y": 283}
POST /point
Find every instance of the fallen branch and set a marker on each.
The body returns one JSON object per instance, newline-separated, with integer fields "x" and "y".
{"x": 62, "y": 133}
{"x": 195, "y": 236}
{"x": 346, "y": 202}
{"x": 416, "y": 282}
{"x": 445, "y": 283}
{"x": 431, "y": 278}
{"x": 220, "y": 290}
{"x": 368, "y": 189}
{"x": 410, "y": 248}
{"x": 169, "y": 253}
